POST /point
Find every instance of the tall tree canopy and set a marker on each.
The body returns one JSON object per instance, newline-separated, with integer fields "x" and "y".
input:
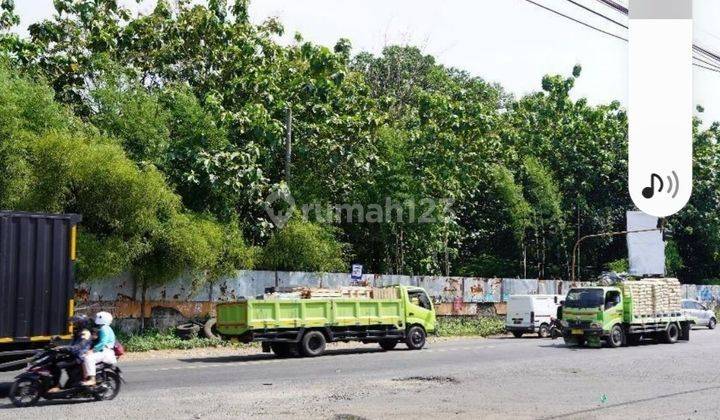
{"x": 167, "y": 131}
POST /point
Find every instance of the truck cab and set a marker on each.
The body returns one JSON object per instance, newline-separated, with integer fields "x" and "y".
{"x": 418, "y": 308}
{"x": 591, "y": 312}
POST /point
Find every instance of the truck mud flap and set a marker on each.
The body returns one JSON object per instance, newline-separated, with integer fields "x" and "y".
{"x": 685, "y": 328}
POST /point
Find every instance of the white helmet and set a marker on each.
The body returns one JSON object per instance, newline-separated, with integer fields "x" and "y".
{"x": 103, "y": 318}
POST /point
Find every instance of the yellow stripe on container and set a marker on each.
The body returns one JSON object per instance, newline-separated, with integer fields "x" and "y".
{"x": 73, "y": 243}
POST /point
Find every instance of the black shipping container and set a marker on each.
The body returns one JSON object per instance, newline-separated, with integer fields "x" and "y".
{"x": 37, "y": 254}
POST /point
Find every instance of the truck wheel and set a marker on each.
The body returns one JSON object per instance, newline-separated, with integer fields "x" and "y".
{"x": 415, "y": 339}
{"x": 544, "y": 331}
{"x": 671, "y": 334}
{"x": 617, "y": 336}
{"x": 388, "y": 344}
{"x": 313, "y": 344}
{"x": 712, "y": 323}
{"x": 517, "y": 334}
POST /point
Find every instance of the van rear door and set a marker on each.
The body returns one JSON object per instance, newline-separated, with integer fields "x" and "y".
{"x": 520, "y": 312}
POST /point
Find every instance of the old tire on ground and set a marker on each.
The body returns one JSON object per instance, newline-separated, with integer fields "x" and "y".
{"x": 616, "y": 337}
{"x": 187, "y": 331}
{"x": 313, "y": 344}
{"x": 388, "y": 344}
{"x": 517, "y": 334}
{"x": 712, "y": 323}
{"x": 210, "y": 329}
{"x": 415, "y": 339}
{"x": 25, "y": 392}
{"x": 544, "y": 331}
{"x": 671, "y": 334}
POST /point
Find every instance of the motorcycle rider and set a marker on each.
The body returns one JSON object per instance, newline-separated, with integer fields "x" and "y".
{"x": 103, "y": 350}
{"x": 80, "y": 344}
{"x": 556, "y": 326}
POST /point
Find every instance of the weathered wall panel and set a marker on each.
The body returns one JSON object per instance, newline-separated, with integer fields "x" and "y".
{"x": 452, "y": 295}
{"x": 482, "y": 290}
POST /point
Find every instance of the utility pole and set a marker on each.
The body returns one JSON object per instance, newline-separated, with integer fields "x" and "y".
{"x": 288, "y": 143}
{"x": 576, "y": 248}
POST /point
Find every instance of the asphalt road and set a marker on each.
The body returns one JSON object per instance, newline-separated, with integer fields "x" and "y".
{"x": 488, "y": 378}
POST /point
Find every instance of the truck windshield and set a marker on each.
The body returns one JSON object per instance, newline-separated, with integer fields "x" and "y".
{"x": 584, "y": 298}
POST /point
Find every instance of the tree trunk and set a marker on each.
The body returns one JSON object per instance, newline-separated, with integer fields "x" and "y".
{"x": 142, "y": 305}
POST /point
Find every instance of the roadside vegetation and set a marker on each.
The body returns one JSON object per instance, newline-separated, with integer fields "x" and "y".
{"x": 455, "y": 326}
{"x": 447, "y": 326}
{"x": 166, "y": 132}
{"x": 155, "y": 340}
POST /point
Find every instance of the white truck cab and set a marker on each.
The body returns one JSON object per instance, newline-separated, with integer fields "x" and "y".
{"x": 531, "y": 313}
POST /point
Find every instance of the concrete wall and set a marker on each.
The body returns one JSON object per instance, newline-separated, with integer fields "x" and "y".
{"x": 452, "y": 295}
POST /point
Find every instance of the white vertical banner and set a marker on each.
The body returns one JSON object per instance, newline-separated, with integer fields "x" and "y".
{"x": 660, "y": 106}
{"x": 646, "y": 250}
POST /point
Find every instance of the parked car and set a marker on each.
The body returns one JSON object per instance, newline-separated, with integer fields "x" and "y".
{"x": 531, "y": 314}
{"x": 699, "y": 313}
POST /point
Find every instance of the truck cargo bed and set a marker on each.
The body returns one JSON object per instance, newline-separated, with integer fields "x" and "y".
{"x": 237, "y": 318}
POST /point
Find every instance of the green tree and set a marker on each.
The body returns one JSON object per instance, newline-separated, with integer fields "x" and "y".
{"x": 303, "y": 246}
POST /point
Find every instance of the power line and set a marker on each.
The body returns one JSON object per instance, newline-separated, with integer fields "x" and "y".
{"x": 713, "y": 66}
{"x": 715, "y": 58}
{"x": 618, "y": 7}
{"x": 702, "y": 60}
{"x": 716, "y": 70}
{"x": 705, "y": 52}
{"x": 597, "y": 13}
{"x": 576, "y": 20}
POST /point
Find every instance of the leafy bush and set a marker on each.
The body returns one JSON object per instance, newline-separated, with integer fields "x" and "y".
{"x": 449, "y": 326}
{"x": 618, "y": 266}
{"x": 303, "y": 246}
{"x": 132, "y": 219}
{"x": 154, "y": 340}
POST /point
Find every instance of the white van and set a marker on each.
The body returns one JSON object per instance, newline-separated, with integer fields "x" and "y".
{"x": 531, "y": 313}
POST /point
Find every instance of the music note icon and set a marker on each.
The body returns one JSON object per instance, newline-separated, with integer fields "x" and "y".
{"x": 648, "y": 192}
{"x": 673, "y": 185}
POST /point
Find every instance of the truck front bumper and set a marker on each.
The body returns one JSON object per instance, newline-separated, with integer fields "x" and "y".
{"x": 585, "y": 331}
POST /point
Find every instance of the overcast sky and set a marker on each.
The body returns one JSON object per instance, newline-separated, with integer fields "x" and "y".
{"x": 508, "y": 41}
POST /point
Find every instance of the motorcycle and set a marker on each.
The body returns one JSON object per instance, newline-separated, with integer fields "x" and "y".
{"x": 43, "y": 373}
{"x": 556, "y": 328}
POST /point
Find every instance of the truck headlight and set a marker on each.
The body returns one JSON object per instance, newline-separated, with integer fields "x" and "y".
{"x": 596, "y": 325}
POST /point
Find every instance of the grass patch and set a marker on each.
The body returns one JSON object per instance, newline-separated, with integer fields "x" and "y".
{"x": 448, "y": 326}
{"x": 155, "y": 340}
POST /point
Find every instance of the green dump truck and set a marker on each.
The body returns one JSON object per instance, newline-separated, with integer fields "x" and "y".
{"x": 625, "y": 313}
{"x": 291, "y": 327}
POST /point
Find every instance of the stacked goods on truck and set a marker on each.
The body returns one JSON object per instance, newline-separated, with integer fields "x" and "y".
{"x": 37, "y": 257}
{"x": 653, "y": 296}
{"x": 304, "y": 292}
{"x": 302, "y": 322}
{"x": 625, "y": 313}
